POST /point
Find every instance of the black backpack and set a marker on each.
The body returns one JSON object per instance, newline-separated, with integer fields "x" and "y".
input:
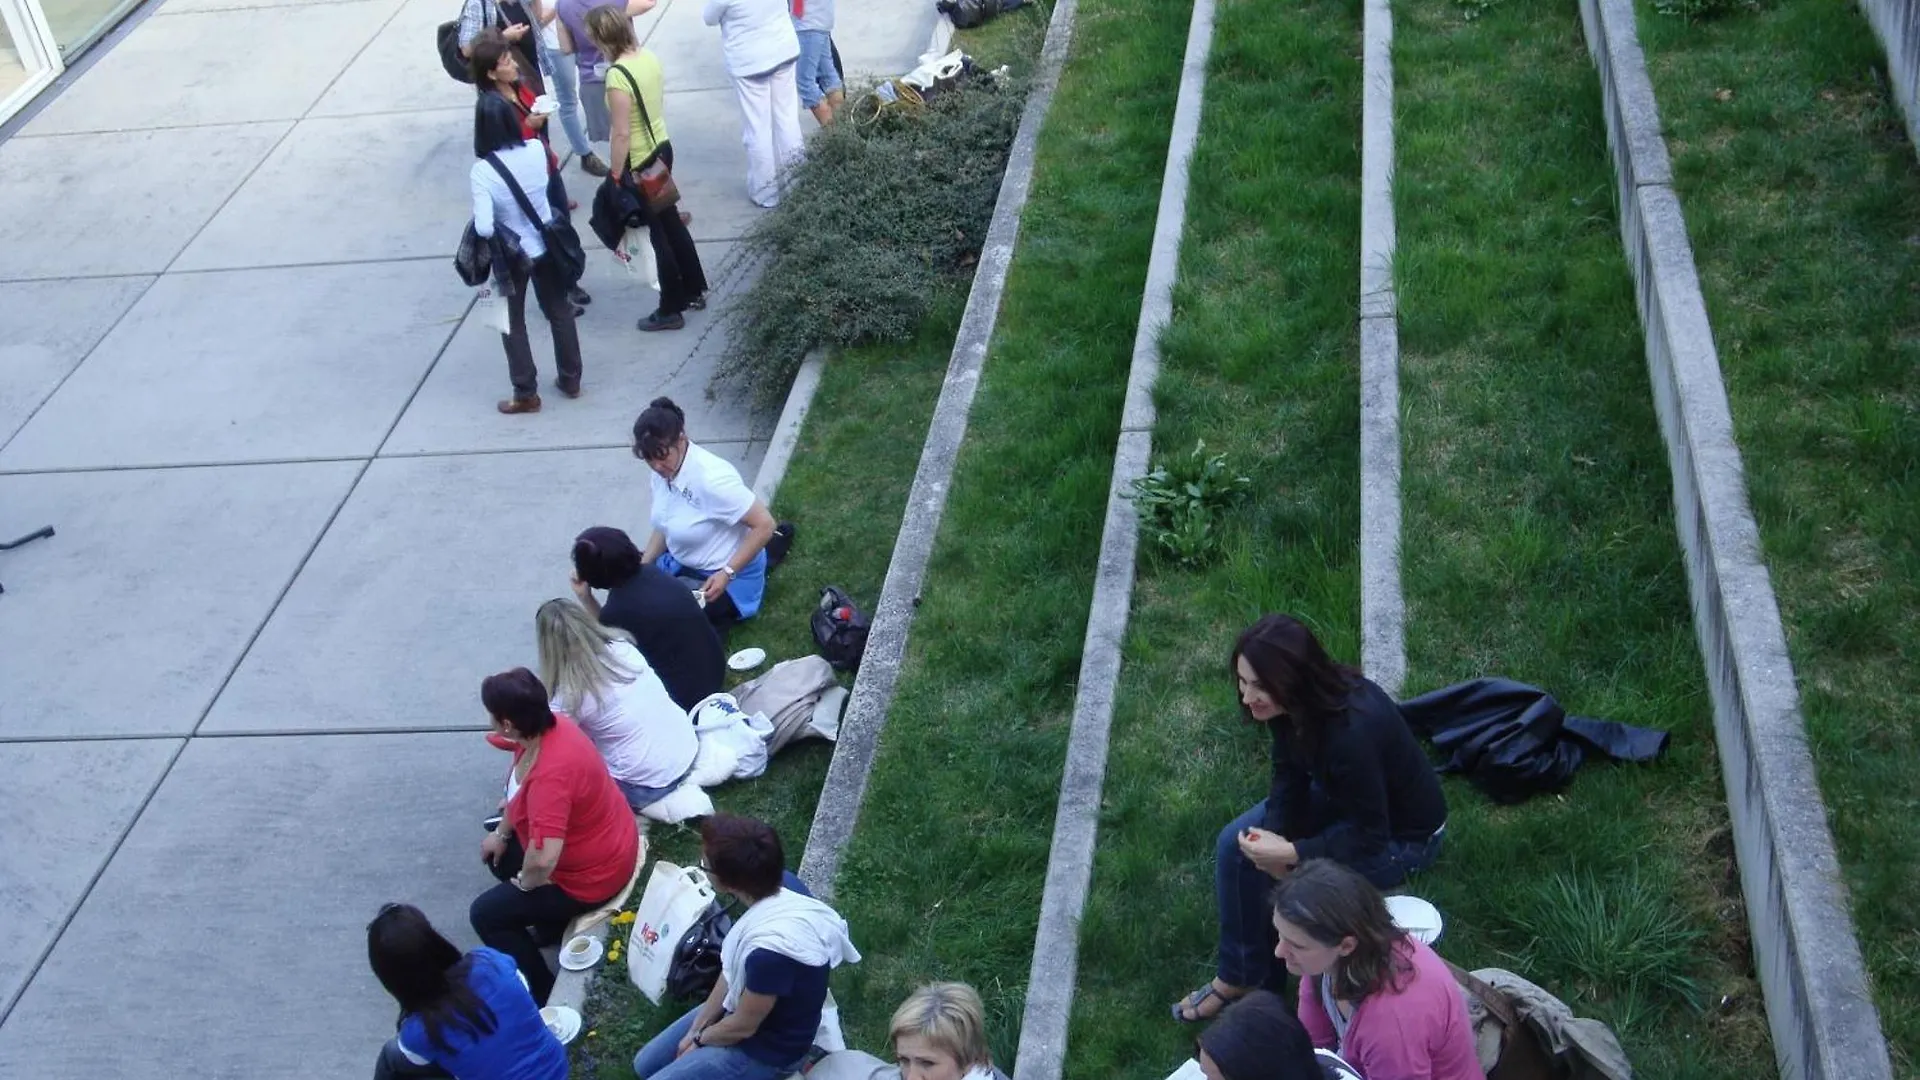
{"x": 840, "y": 629}
{"x": 696, "y": 960}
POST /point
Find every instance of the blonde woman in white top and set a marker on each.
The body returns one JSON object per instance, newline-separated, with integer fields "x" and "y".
{"x": 599, "y": 678}
{"x": 762, "y": 52}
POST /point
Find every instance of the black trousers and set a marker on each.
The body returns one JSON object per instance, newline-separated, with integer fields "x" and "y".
{"x": 682, "y": 280}
{"x": 558, "y": 307}
{"x": 517, "y": 923}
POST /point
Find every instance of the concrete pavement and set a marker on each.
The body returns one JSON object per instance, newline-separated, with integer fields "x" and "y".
{"x": 238, "y": 690}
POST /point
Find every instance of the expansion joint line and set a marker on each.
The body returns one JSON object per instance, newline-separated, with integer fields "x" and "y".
{"x": 1056, "y": 947}
{"x": 846, "y": 784}
{"x": 1383, "y": 610}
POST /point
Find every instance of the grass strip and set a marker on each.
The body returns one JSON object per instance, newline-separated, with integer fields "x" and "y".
{"x": 944, "y": 874}
{"x": 1803, "y": 198}
{"x": 1260, "y": 362}
{"x": 1542, "y": 543}
{"x": 868, "y": 417}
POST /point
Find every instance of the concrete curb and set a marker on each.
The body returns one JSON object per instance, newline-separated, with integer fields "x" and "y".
{"x": 1383, "y": 607}
{"x": 786, "y": 433}
{"x": 1047, "y": 1018}
{"x": 1897, "y": 24}
{"x": 846, "y": 783}
{"x": 1819, "y": 1005}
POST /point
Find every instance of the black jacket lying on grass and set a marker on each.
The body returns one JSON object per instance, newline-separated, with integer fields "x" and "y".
{"x": 1366, "y": 782}
{"x": 1514, "y": 741}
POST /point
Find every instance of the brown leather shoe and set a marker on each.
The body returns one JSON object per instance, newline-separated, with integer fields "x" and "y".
{"x": 593, "y": 166}
{"x": 570, "y": 389}
{"x": 530, "y": 403}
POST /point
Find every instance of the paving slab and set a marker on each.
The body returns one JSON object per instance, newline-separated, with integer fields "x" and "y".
{"x": 625, "y": 369}
{"x": 70, "y": 802}
{"x": 168, "y": 572}
{"x": 350, "y": 189}
{"x": 250, "y": 365}
{"x": 881, "y": 38}
{"x": 427, "y": 583}
{"x": 228, "y": 937}
{"x": 84, "y": 205}
{"x": 689, "y": 52}
{"x": 218, "y": 67}
{"x": 46, "y": 329}
{"x": 398, "y": 71}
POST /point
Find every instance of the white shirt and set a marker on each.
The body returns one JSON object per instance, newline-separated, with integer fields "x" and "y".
{"x": 644, "y": 738}
{"x": 493, "y": 200}
{"x": 756, "y": 35}
{"x": 703, "y": 510}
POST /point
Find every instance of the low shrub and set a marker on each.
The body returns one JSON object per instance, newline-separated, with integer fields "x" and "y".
{"x": 1183, "y": 503}
{"x": 885, "y": 210}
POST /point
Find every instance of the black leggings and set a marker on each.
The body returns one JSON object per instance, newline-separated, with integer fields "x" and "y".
{"x": 682, "y": 280}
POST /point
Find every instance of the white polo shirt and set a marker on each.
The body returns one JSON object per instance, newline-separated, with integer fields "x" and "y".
{"x": 702, "y": 511}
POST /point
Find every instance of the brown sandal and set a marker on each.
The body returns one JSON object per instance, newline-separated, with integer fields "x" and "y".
{"x": 1194, "y": 1001}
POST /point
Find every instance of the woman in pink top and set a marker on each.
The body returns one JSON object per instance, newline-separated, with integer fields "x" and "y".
{"x": 1381, "y": 1000}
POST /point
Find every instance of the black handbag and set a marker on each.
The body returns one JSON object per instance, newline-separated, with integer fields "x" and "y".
{"x": 840, "y": 629}
{"x": 563, "y": 242}
{"x": 447, "y": 38}
{"x": 696, "y": 960}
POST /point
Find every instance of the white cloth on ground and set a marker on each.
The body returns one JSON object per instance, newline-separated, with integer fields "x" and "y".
{"x": 795, "y": 926}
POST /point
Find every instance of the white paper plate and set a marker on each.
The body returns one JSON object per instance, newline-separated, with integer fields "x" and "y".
{"x": 581, "y": 961}
{"x": 747, "y": 659}
{"x": 1417, "y": 917}
{"x": 562, "y": 1021}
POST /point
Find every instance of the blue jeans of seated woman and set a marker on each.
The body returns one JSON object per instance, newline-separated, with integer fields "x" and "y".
{"x": 702, "y": 1062}
{"x": 1247, "y": 939}
{"x": 746, "y": 589}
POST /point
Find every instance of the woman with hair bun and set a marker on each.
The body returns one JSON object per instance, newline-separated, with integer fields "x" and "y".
{"x": 1350, "y": 784}
{"x": 708, "y": 525}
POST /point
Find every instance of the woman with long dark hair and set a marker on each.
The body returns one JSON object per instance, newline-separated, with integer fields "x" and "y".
{"x": 467, "y": 1016}
{"x": 1371, "y": 993}
{"x": 1350, "y": 784}
{"x": 499, "y": 140}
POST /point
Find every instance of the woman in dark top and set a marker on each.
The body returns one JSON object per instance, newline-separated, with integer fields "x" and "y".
{"x": 658, "y": 609}
{"x": 1350, "y": 783}
{"x": 469, "y": 1016}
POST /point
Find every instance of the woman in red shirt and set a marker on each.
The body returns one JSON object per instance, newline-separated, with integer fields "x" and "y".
{"x": 567, "y": 842}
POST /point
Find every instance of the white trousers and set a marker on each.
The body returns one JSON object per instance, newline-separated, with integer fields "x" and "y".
{"x": 770, "y": 128}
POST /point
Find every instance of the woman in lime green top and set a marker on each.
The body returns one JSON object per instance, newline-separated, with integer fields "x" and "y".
{"x": 637, "y": 106}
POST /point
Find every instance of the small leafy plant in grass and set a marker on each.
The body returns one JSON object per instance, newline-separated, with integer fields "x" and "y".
{"x": 1183, "y": 504}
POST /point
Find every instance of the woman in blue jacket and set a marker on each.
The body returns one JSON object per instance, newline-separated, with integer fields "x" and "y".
{"x": 469, "y": 1016}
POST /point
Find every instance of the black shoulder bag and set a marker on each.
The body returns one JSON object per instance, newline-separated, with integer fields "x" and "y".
{"x": 563, "y": 242}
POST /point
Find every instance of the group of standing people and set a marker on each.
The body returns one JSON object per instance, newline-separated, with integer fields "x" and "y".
{"x": 608, "y": 88}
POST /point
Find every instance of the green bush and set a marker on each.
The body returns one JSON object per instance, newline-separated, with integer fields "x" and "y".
{"x": 1181, "y": 504}
{"x": 1693, "y": 10}
{"x": 884, "y": 210}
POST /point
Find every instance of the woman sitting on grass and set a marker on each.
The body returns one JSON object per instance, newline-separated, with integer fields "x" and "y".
{"x": 708, "y": 525}
{"x": 1350, "y": 784}
{"x": 760, "y": 1020}
{"x": 599, "y": 678}
{"x": 1368, "y": 991}
{"x": 468, "y": 1016}
{"x": 938, "y": 1033}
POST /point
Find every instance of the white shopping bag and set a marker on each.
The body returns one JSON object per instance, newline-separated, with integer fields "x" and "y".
{"x": 635, "y": 253}
{"x": 493, "y": 311}
{"x": 676, "y": 897}
{"x": 829, "y": 1037}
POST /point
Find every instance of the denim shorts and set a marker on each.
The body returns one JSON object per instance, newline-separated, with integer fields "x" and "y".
{"x": 816, "y": 74}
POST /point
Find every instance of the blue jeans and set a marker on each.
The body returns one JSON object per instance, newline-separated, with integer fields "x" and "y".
{"x": 702, "y": 1062}
{"x": 816, "y": 75}
{"x": 566, "y": 90}
{"x": 1247, "y": 939}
